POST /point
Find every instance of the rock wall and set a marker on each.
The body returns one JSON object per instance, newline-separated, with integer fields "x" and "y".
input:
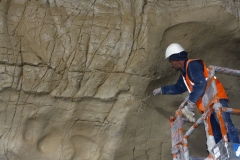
{"x": 74, "y": 74}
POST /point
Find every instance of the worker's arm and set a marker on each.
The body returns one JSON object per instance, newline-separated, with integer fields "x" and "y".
{"x": 195, "y": 73}
{"x": 177, "y": 88}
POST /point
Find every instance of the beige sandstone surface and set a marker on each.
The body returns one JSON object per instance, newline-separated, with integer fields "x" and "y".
{"x": 74, "y": 72}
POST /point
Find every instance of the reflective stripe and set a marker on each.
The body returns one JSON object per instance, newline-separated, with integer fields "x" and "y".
{"x": 186, "y": 84}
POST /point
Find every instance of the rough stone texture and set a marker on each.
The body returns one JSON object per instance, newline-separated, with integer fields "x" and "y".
{"x": 73, "y": 74}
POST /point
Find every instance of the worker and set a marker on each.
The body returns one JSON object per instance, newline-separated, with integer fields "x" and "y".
{"x": 193, "y": 78}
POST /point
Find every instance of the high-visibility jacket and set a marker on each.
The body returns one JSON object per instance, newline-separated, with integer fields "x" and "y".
{"x": 189, "y": 84}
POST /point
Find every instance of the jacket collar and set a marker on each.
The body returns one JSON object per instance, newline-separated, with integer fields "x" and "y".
{"x": 184, "y": 69}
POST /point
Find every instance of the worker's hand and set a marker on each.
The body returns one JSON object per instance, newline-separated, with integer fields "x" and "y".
{"x": 188, "y": 110}
{"x": 157, "y": 91}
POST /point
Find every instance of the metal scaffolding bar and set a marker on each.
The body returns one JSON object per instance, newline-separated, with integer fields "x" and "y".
{"x": 211, "y": 103}
{"x": 225, "y": 70}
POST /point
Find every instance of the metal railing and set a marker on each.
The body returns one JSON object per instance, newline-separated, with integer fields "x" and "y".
{"x": 211, "y": 104}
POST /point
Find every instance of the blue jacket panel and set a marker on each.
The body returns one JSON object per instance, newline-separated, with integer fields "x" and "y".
{"x": 195, "y": 73}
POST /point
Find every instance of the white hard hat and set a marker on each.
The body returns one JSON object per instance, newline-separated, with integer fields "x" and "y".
{"x": 173, "y": 48}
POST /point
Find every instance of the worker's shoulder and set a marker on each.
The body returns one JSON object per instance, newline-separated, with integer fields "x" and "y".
{"x": 195, "y": 63}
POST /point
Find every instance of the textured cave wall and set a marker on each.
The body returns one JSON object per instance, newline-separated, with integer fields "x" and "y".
{"x": 73, "y": 74}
